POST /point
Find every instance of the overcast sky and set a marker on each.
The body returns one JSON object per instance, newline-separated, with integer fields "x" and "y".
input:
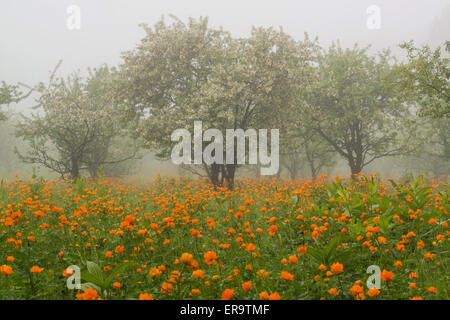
{"x": 34, "y": 35}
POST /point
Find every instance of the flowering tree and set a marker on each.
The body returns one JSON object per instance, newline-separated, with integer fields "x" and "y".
{"x": 353, "y": 109}
{"x": 76, "y": 124}
{"x": 186, "y": 72}
{"x": 9, "y": 94}
{"x": 425, "y": 79}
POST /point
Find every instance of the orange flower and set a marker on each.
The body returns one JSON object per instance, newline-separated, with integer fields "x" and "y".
{"x": 195, "y": 233}
{"x": 195, "y": 292}
{"x": 429, "y": 256}
{"x": 302, "y": 250}
{"x": 247, "y": 286}
{"x": 264, "y": 295}
{"x": 145, "y": 296}
{"x": 210, "y": 258}
{"x": 36, "y": 269}
{"x": 108, "y": 254}
{"x": 166, "y": 288}
{"x": 9, "y": 222}
{"x": 373, "y": 292}
{"x": 155, "y": 272}
{"x": 287, "y": 276}
{"x": 358, "y": 291}
{"x": 337, "y": 268}
{"x": 198, "y": 274}
{"x": 227, "y": 294}
{"x": 382, "y": 240}
{"x": 186, "y": 258}
{"x": 119, "y": 249}
{"x": 89, "y": 294}
{"x": 67, "y": 272}
{"x": 6, "y": 270}
{"x": 293, "y": 259}
{"x": 117, "y": 285}
{"x": 251, "y": 247}
{"x": 432, "y": 289}
{"x": 387, "y": 276}
{"x": 275, "y": 296}
{"x": 273, "y": 230}
{"x": 315, "y": 234}
{"x": 333, "y": 291}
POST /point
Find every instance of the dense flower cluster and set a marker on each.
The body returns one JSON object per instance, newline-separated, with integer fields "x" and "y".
{"x": 267, "y": 239}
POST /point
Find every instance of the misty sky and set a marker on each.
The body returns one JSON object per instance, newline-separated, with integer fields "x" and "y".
{"x": 34, "y": 35}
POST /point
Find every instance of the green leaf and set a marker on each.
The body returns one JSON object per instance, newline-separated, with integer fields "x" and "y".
{"x": 89, "y": 277}
{"x": 385, "y": 219}
{"x": 418, "y": 181}
{"x": 113, "y": 274}
{"x": 343, "y": 256}
{"x": 330, "y": 250}
{"x": 94, "y": 269}
{"x": 316, "y": 255}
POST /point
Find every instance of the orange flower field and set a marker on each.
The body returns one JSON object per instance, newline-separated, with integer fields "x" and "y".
{"x": 266, "y": 239}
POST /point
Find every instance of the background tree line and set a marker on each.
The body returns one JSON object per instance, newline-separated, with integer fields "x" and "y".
{"x": 329, "y": 103}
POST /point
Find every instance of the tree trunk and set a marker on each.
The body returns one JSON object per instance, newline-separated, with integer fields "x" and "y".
{"x": 93, "y": 171}
{"x": 229, "y": 171}
{"x": 314, "y": 174}
{"x": 293, "y": 175}
{"x": 75, "y": 169}
{"x": 213, "y": 174}
{"x": 355, "y": 169}
{"x": 310, "y": 158}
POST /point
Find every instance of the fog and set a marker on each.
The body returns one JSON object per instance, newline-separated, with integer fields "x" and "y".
{"x": 34, "y": 35}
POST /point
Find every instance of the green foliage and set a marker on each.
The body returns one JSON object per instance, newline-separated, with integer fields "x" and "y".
{"x": 354, "y": 223}
{"x": 203, "y": 73}
{"x": 8, "y": 94}
{"x": 330, "y": 254}
{"x": 425, "y": 79}
{"x": 78, "y": 122}
{"x": 351, "y": 107}
{"x": 97, "y": 280}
